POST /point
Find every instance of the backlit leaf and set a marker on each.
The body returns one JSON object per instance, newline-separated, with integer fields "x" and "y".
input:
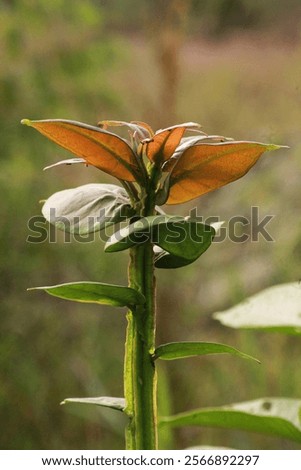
{"x": 205, "y": 167}
{"x": 275, "y": 416}
{"x": 95, "y": 292}
{"x": 88, "y": 208}
{"x": 107, "y": 402}
{"x": 163, "y": 144}
{"x": 99, "y": 148}
{"x": 185, "y": 349}
{"x": 277, "y": 308}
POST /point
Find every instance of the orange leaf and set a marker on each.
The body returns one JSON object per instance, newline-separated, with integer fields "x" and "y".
{"x": 99, "y": 148}
{"x": 145, "y": 125}
{"x": 205, "y": 167}
{"x": 163, "y": 144}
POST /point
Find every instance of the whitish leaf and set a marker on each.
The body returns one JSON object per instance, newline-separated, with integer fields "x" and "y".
{"x": 95, "y": 292}
{"x": 107, "y": 402}
{"x": 277, "y": 308}
{"x": 69, "y": 161}
{"x": 185, "y": 349}
{"x": 187, "y": 142}
{"x": 275, "y": 416}
{"x": 87, "y": 208}
{"x": 142, "y": 130}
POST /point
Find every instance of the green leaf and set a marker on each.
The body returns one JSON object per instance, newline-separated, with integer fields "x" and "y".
{"x": 163, "y": 192}
{"x": 88, "y": 208}
{"x": 274, "y": 416}
{"x": 165, "y": 260}
{"x": 171, "y": 351}
{"x": 95, "y": 292}
{"x": 136, "y": 233}
{"x": 276, "y": 309}
{"x": 184, "y": 238}
{"x": 166, "y": 436}
{"x": 107, "y": 402}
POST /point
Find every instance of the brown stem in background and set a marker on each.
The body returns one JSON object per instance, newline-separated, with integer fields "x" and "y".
{"x": 167, "y": 23}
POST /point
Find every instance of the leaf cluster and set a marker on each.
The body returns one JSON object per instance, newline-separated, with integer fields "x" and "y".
{"x": 155, "y": 168}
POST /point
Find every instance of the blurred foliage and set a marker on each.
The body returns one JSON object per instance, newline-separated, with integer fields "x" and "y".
{"x": 96, "y": 61}
{"x": 209, "y": 18}
{"x": 221, "y": 17}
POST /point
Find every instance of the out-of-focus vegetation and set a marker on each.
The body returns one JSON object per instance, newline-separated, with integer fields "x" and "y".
{"x": 239, "y": 74}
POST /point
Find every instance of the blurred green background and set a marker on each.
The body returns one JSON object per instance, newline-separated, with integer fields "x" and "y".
{"x": 235, "y": 67}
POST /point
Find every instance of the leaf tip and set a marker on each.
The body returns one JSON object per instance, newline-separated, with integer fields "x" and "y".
{"x": 34, "y": 288}
{"x": 26, "y": 122}
{"x": 252, "y": 358}
{"x": 109, "y": 247}
{"x": 271, "y": 147}
{"x": 256, "y": 360}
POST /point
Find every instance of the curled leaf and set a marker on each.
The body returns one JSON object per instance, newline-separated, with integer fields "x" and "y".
{"x": 88, "y": 208}
{"x": 146, "y": 126}
{"x": 143, "y": 130}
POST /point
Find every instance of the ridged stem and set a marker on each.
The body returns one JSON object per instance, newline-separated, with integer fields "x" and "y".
{"x": 140, "y": 380}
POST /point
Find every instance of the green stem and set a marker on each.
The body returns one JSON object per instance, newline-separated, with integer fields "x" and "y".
{"x": 140, "y": 381}
{"x": 131, "y": 190}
